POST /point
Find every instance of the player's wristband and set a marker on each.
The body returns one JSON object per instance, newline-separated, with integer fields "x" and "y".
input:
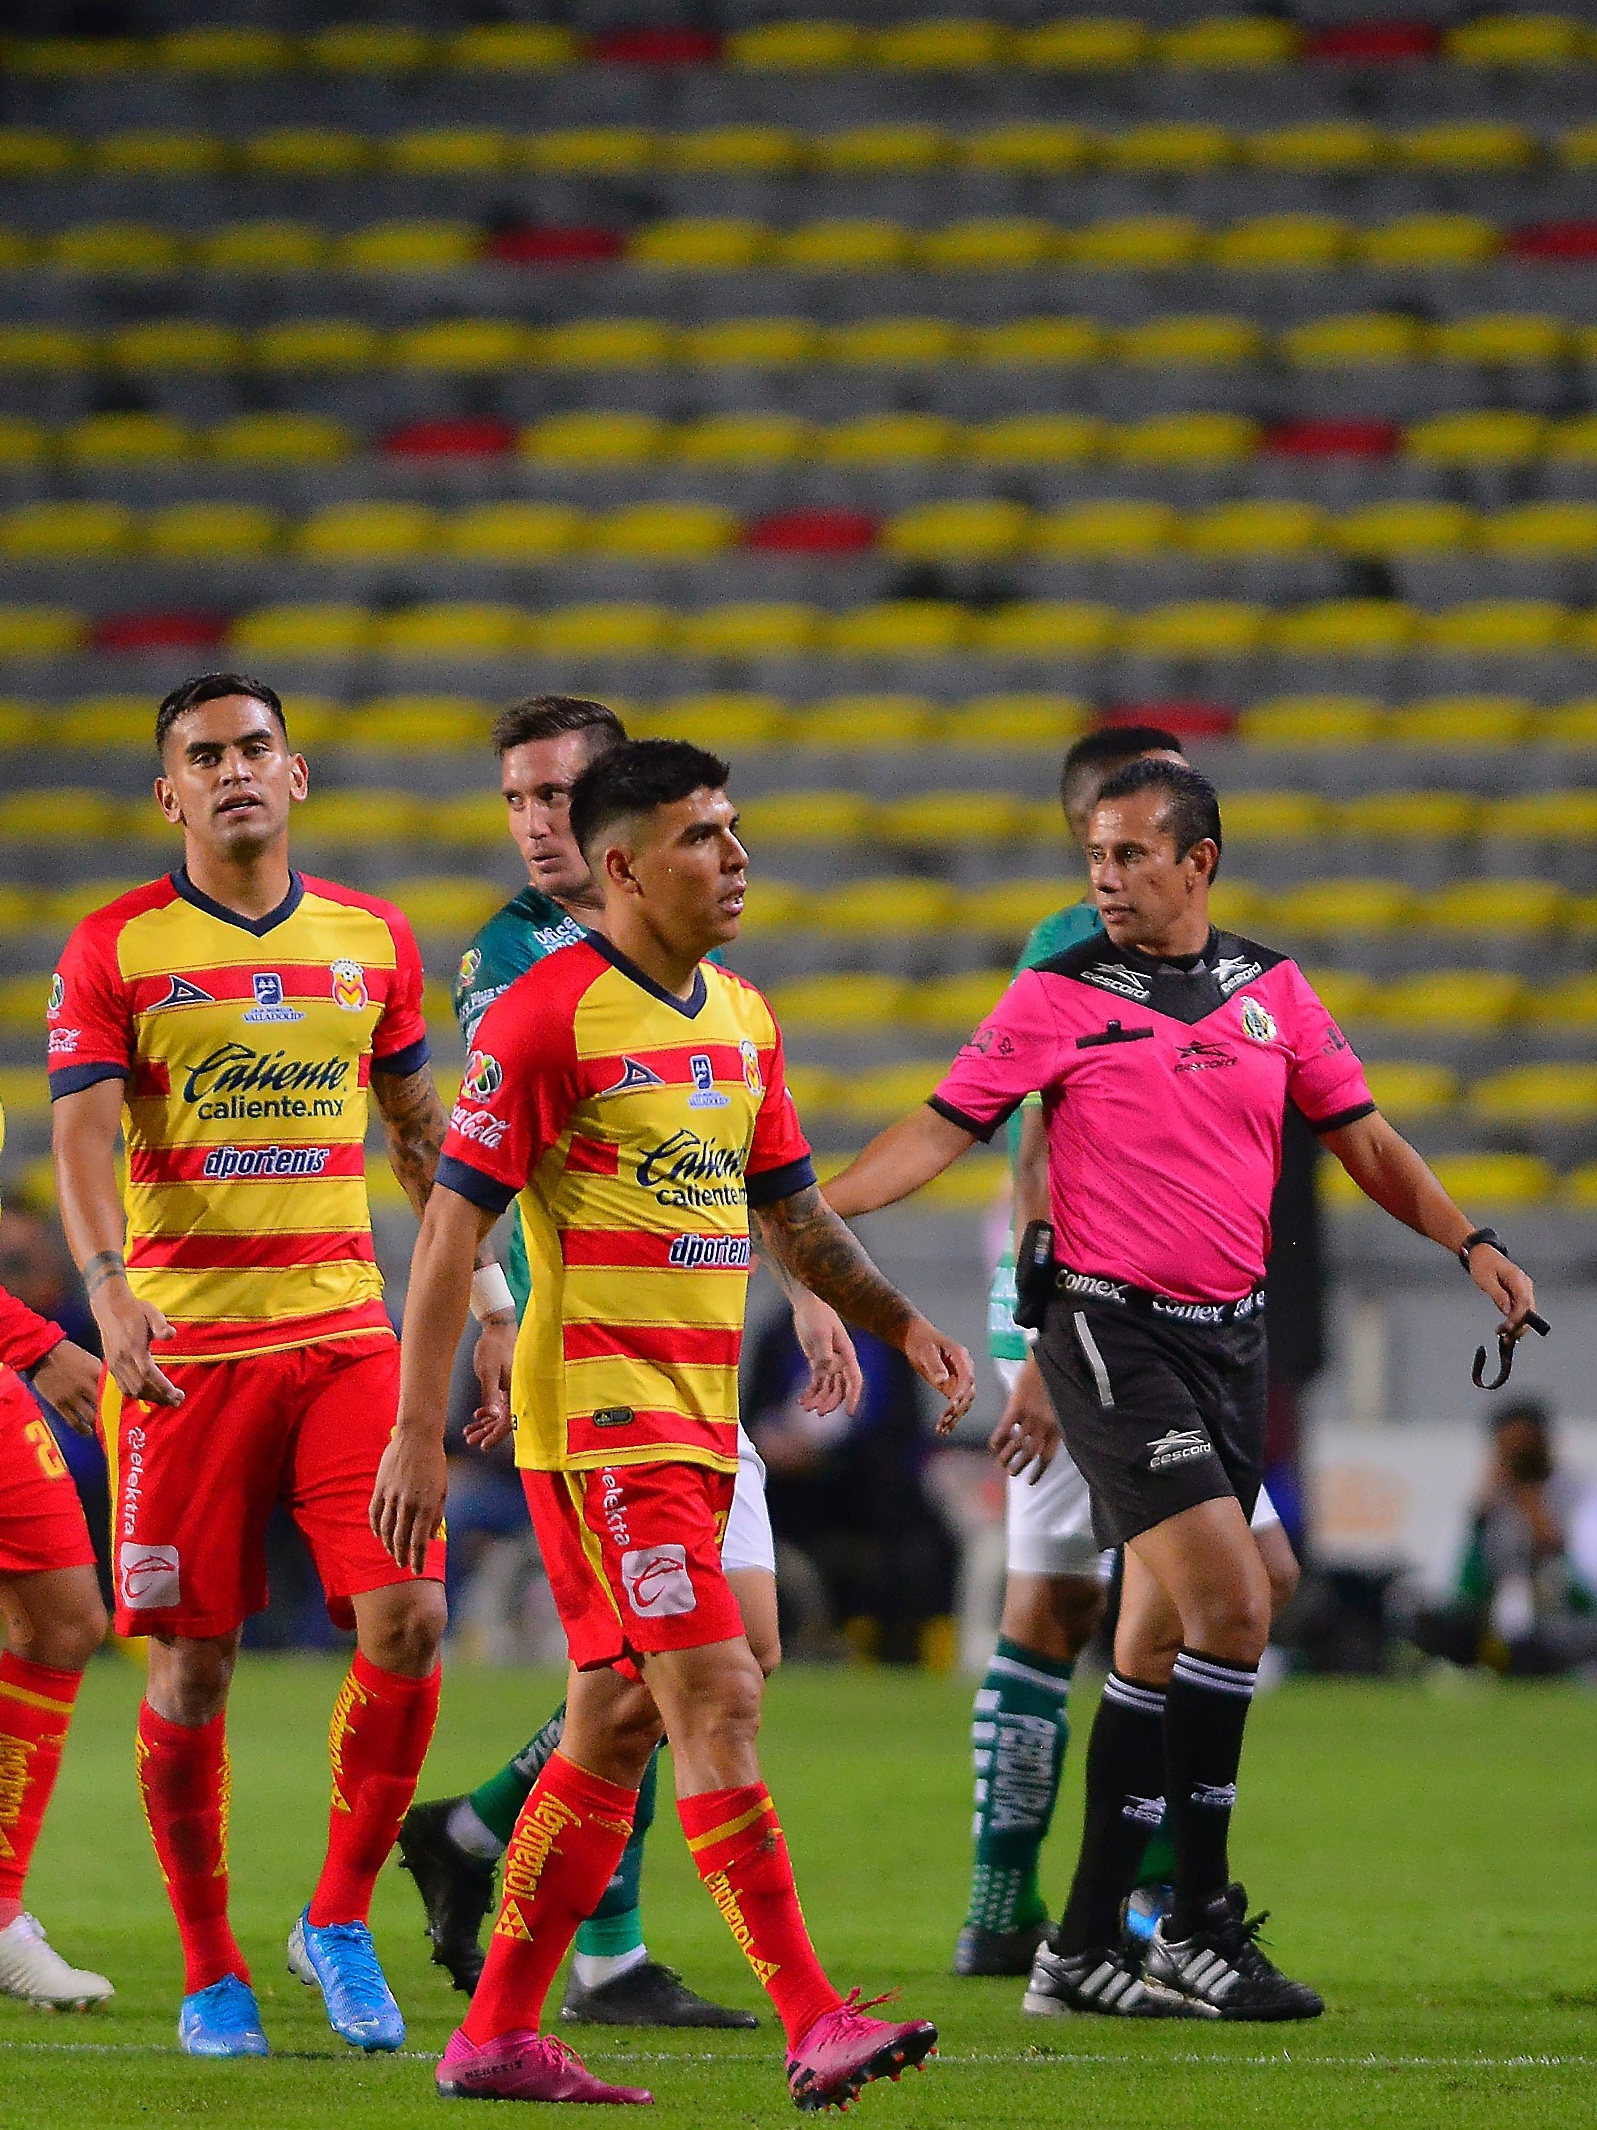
{"x": 490, "y": 1293}
{"x": 1489, "y": 1236}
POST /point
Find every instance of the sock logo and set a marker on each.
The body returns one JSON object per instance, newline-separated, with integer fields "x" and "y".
{"x": 657, "y": 1581}
{"x": 719, "y": 1887}
{"x": 351, "y": 1696}
{"x": 543, "y": 1820}
{"x": 15, "y": 1756}
{"x": 1217, "y": 1796}
{"x": 1143, "y": 1811}
{"x": 148, "y": 1576}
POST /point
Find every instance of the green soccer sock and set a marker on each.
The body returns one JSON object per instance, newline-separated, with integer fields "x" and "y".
{"x": 498, "y": 1801}
{"x": 1159, "y": 1858}
{"x": 616, "y": 1926}
{"x": 1018, "y": 1733}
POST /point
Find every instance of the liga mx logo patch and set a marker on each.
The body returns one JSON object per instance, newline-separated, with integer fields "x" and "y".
{"x": 148, "y": 1576}
{"x": 657, "y": 1582}
{"x": 58, "y": 992}
{"x": 483, "y": 1076}
{"x": 349, "y": 986}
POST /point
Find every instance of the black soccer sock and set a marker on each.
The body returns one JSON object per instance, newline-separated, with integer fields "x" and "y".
{"x": 1206, "y": 1711}
{"x": 1125, "y": 1777}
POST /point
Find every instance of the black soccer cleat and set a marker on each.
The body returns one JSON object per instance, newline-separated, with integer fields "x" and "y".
{"x": 1104, "y": 1981}
{"x": 456, "y": 1888}
{"x": 997, "y": 1952}
{"x": 1220, "y": 1973}
{"x": 646, "y": 1995}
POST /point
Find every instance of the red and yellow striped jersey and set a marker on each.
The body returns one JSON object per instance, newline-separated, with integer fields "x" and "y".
{"x": 637, "y": 1129}
{"x": 247, "y": 1047}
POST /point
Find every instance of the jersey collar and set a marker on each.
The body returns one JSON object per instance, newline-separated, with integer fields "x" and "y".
{"x": 690, "y": 1007}
{"x": 257, "y": 927}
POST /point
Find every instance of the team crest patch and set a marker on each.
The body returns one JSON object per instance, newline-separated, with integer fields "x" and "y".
{"x": 634, "y": 1077}
{"x": 470, "y": 963}
{"x": 349, "y": 986}
{"x": 1257, "y": 1023}
{"x": 180, "y": 992}
{"x": 58, "y": 993}
{"x": 751, "y": 1067}
{"x": 483, "y": 1076}
{"x": 705, "y": 1095}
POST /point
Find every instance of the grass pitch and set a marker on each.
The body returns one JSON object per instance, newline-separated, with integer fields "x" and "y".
{"x": 1429, "y": 1859}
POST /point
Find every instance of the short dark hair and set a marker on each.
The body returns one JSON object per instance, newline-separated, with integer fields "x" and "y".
{"x": 545, "y": 717}
{"x": 1111, "y": 743}
{"x": 211, "y": 688}
{"x": 1521, "y": 1411}
{"x": 636, "y": 777}
{"x": 1193, "y": 809}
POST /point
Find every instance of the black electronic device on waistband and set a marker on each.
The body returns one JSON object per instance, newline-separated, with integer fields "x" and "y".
{"x": 1036, "y": 1273}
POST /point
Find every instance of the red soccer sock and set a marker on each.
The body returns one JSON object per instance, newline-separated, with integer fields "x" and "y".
{"x": 186, "y": 1785}
{"x": 381, "y": 1728}
{"x": 738, "y": 1845}
{"x": 35, "y": 1709}
{"x": 567, "y": 1844}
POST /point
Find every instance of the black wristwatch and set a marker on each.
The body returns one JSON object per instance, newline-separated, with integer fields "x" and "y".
{"x": 1489, "y": 1236}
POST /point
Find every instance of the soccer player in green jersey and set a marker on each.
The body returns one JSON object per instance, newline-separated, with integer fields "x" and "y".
{"x": 1053, "y": 1593}
{"x": 452, "y": 1845}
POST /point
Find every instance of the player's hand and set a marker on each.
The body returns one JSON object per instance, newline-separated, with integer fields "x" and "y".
{"x": 69, "y": 1379}
{"x": 492, "y": 1358}
{"x": 127, "y": 1329}
{"x": 835, "y": 1375}
{"x": 1027, "y": 1437}
{"x": 946, "y": 1366}
{"x": 408, "y": 1499}
{"x": 1504, "y": 1285}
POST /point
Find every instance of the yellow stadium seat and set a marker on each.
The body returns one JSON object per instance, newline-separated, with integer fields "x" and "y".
{"x": 464, "y": 345}
{"x": 1346, "y": 994}
{"x": 1355, "y": 339}
{"x": 677, "y": 531}
{"x": 115, "y": 248}
{"x": 512, "y": 533}
{"x": 1502, "y": 338}
{"x": 1405, "y": 528}
{"x": 1011, "y": 908}
{"x": 1486, "y": 436}
{"x": 1321, "y": 147}
{"x": 158, "y": 154}
{"x": 1186, "y": 439}
{"x": 1573, "y": 439}
{"x": 1545, "y": 817}
{"x": 843, "y": 1002}
{"x": 760, "y": 343}
{"x": 591, "y": 439}
{"x": 773, "y": 906}
{"x": 1543, "y": 529}
{"x": 366, "y": 532}
{"x": 1215, "y": 342}
{"x": 891, "y": 146}
{"x": 363, "y": 816}
{"x": 1036, "y": 439}
{"x": 449, "y": 151}
{"x": 1489, "y": 1181}
{"x": 900, "y": 628}
{"x": 316, "y": 629}
{"x": 22, "y": 443}
{"x": 1311, "y": 721}
{"x": 1059, "y": 342}
{"x": 953, "y": 1005}
{"x": 1503, "y": 41}
{"x": 1454, "y": 1001}
{"x": 939, "y": 45}
{"x": 126, "y": 439}
{"x": 103, "y": 721}
{"x": 448, "y": 903}
{"x": 1047, "y": 628}
{"x": 176, "y": 344}
{"x": 743, "y": 439}
{"x": 1409, "y": 1088}
{"x": 416, "y": 722}
{"x": 1330, "y": 909}
{"x": 1138, "y": 244}
{"x": 270, "y": 247}
{"x": 1347, "y": 628}
{"x": 998, "y": 244}
{"x": 270, "y": 439}
{"x": 31, "y": 152}
{"x": 872, "y": 907}
{"x": 68, "y": 906}
{"x": 195, "y": 532}
{"x": 1169, "y": 148}
{"x": 717, "y": 721}
{"x": 1461, "y": 721}
{"x": 512, "y": 48}
{"x": 25, "y": 1092}
{"x": 592, "y": 151}
{"x": 704, "y": 245}
{"x": 604, "y": 629}
{"x": 1394, "y": 816}
{"x": 1571, "y": 1004}
{"x": 66, "y": 532}
{"x": 1107, "y": 530}
{"x": 607, "y": 344}
{"x": 795, "y": 47}
{"x": 893, "y": 342}
{"x": 884, "y": 1092}
{"x": 1547, "y": 1093}
{"x": 368, "y": 48}
{"x": 477, "y": 818}
{"x": 754, "y": 628}
{"x": 1569, "y": 725}
{"x": 1502, "y": 628}
{"x": 974, "y": 530}
{"x": 1578, "y": 147}
{"x": 218, "y": 48}
{"x": 1432, "y": 241}
{"x": 938, "y": 818}
{"x": 1035, "y": 146}
{"x": 792, "y": 817}
{"x": 16, "y": 250}
{"x": 1277, "y": 243}
{"x": 889, "y": 439}
{"x": 1041, "y": 722}
{"x": 846, "y": 247}
{"x": 1240, "y": 906}
{"x": 318, "y": 344}
{"x": 43, "y": 347}
{"x": 22, "y": 724}
{"x": 1469, "y": 144}
{"x": 976, "y": 1184}
{"x": 1495, "y": 906}
{"x": 78, "y": 811}
{"x": 77, "y": 57}
{"x": 305, "y": 152}
{"x": 1196, "y": 628}
{"x": 454, "y": 629}
{"x": 1231, "y": 43}
{"x": 1273, "y": 816}
{"x": 40, "y": 631}
{"x": 1270, "y": 527}
{"x": 1084, "y": 44}
{"x": 22, "y": 1003}
{"x": 408, "y": 248}
{"x": 736, "y": 149}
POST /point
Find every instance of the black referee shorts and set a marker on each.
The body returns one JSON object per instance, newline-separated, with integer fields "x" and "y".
{"x": 1159, "y": 1414}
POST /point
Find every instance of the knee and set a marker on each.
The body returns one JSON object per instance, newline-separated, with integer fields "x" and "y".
{"x": 1056, "y": 1615}
{"x": 189, "y": 1680}
{"x": 68, "y": 1638}
{"x": 731, "y": 1710}
{"x": 635, "y": 1726}
{"x": 1235, "y": 1623}
{"x": 408, "y": 1633}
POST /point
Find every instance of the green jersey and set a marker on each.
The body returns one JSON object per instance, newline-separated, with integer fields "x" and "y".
{"x": 1064, "y": 928}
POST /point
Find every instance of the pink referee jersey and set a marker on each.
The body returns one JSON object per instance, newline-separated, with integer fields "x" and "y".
{"x": 1163, "y": 1091}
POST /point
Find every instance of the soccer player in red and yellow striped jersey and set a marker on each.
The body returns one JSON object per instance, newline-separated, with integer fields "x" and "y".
{"x": 634, "y": 1100}
{"x": 233, "y": 1019}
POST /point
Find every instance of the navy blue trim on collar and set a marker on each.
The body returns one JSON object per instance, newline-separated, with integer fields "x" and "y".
{"x": 690, "y": 1008}
{"x": 258, "y": 927}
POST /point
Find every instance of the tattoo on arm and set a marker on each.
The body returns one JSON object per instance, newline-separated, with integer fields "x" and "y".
{"x": 102, "y": 1266}
{"x": 820, "y": 1253}
{"x": 773, "y": 1263}
{"x": 414, "y": 1125}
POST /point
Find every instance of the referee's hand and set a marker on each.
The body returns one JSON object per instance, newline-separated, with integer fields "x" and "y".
{"x": 1026, "y": 1438}
{"x": 1504, "y": 1284}
{"x": 946, "y": 1366}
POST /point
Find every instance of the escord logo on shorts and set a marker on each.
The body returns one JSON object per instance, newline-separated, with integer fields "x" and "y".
{"x": 657, "y": 1582}
{"x": 349, "y": 985}
{"x": 483, "y": 1076}
{"x": 148, "y": 1576}
{"x": 1258, "y": 1024}
{"x": 1182, "y": 1445}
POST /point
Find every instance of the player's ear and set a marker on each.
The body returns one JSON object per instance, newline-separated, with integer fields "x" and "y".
{"x": 618, "y": 869}
{"x": 299, "y": 776}
{"x": 167, "y": 799}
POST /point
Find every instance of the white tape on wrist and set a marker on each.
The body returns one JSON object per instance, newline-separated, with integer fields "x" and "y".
{"x": 490, "y": 1293}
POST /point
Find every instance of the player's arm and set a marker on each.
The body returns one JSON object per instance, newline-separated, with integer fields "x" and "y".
{"x": 835, "y": 1375}
{"x": 1388, "y": 1170}
{"x": 412, "y": 1480}
{"x": 819, "y": 1252}
{"x": 84, "y": 1129}
{"x": 898, "y": 1162}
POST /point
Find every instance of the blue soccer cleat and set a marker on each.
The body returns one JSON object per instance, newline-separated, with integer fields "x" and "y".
{"x": 341, "y": 1960}
{"x": 223, "y": 2020}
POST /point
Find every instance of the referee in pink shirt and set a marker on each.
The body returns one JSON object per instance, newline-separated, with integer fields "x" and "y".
{"x": 1165, "y": 1055}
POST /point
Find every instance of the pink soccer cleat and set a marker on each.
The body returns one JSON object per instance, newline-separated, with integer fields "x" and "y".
{"x": 845, "y": 2050}
{"x": 523, "y": 2066}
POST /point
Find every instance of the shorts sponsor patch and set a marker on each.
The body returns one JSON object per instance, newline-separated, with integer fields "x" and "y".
{"x": 1182, "y": 1445}
{"x": 657, "y": 1581}
{"x": 147, "y": 1576}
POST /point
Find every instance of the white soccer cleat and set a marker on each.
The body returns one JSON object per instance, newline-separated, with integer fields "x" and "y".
{"x": 32, "y": 1969}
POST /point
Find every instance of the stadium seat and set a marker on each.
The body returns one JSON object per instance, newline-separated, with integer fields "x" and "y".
{"x": 1240, "y": 906}
{"x": 450, "y": 906}
{"x": 975, "y": 530}
{"x": 1036, "y": 439}
{"x": 281, "y": 439}
{"x": 223, "y": 49}
{"x": 1106, "y": 530}
{"x": 1489, "y": 907}
{"x": 1169, "y": 148}
{"x": 758, "y": 343}
{"x": 126, "y": 439}
{"x": 1239, "y": 43}
{"x": 603, "y": 629}
{"x": 1516, "y": 41}
{"x": 115, "y": 249}
{"x": 900, "y": 146}
{"x": 451, "y": 629}
{"x": 361, "y": 818}
{"x": 1352, "y": 340}
{"x": 464, "y": 345}
{"x": 1338, "y": 907}
{"x": 721, "y": 722}
{"x": 86, "y": 815}
{"x": 940, "y": 818}
{"x": 1407, "y": 1089}
{"x": 937, "y": 45}
{"x": 267, "y": 247}
{"x": 1570, "y": 725}
{"x": 1502, "y": 339}
{"x": 1493, "y": 1180}
{"x": 1274, "y": 816}
{"x": 863, "y": 722}
{"x": 1544, "y": 817}
{"x": 66, "y": 532}
{"x": 842, "y": 1002}
{"x": 795, "y": 47}
{"x": 512, "y": 533}
{"x": 22, "y": 724}
{"x": 1543, "y": 529}
{"x": 1214, "y": 342}
{"x": 666, "y": 532}
{"x": 773, "y": 906}
{"x": 161, "y": 344}
{"x": 1057, "y": 342}
{"x": 607, "y": 344}
{"x": 1405, "y": 527}
{"x": 368, "y": 48}
{"x": 312, "y": 630}
{"x": 870, "y": 908}
{"x": 1088, "y": 44}
{"x": 40, "y": 631}
{"x": 193, "y": 532}
{"x": 884, "y": 1092}
{"x": 1398, "y": 817}
{"x": 449, "y": 151}
{"x": 407, "y": 248}
{"x": 1186, "y": 439}
{"x": 1028, "y": 146}
{"x": 318, "y": 344}
{"x": 1449, "y": 1001}
{"x": 1461, "y": 721}
{"x": 1044, "y": 722}
{"x": 1138, "y": 244}
{"x": 1317, "y": 148}
{"x": 735, "y": 150}
{"x": 157, "y": 153}
{"x": 799, "y": 817}
{"x": 724, "y": 244}
{"x": 1010, "y": 908}
{"x": 953, "y": 1005}
{"x": 585, "y": 439}
{"x": 1347, "y": 628}
{"x": 34, "y": 152}
{"x": 899, "y": 628}
{"x": 1478, "y": 436}
{"x": 591, "y": 151}
{"x": 1196, "y": 628}
{"x": 1299, "y": 721}
{"x": 989, "y": 244}
{"x": 889, "y": 439}
{"x": 1284, "y": 243}
{"x": 1047, "y": 629}
{"x": 416, "y": 723}
{"x": 1570, "y": 1005}
{"x": 305, "y": 152}
{"x": 1421, "y": 242}
{"x": 1543, "y": 1093}
{"x": 1468, "y": 144}
{"x": 511, "y": 48}
{"x": 34, "y": 347}
{"x": 1503, "y": 628}
{"x": 742, "y": 440}
{"x": 366, "y": 532}
{"x": 1256, "y": 528}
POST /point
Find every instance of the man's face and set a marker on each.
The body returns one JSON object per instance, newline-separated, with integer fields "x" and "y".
{"x": 1141, "y": 885}
{"x": 30, "y": 1263}
{"x": 536, "y": 779}
{"x": 229, "y": 777}
{"x": 686, "y": 865}
{"x": 1085, "y": 789}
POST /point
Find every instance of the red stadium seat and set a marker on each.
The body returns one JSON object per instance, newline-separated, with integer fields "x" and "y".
{"x": 159, "y": 632}
{"x": 466, "y": 437}
{"x": 1333, "y": 439}
{"x": 1554, "y": 240}
{"x": 812, "y": 532}
{"x": 656, "y": 48}
{"x": 539, "y": 246}
{"x": 1374, "y": 44}
{"x": 1189, "y": 720}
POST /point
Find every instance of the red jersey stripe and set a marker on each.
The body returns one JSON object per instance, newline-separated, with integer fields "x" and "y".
{"x": 591, "y": 1157}
{"x": 691, "y": 1345}
{"x": 215, "y": 1253}
{"x": 235, "y": 980}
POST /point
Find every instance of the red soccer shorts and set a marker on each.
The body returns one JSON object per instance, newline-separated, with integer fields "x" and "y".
{"x": 41, "y": 1518}
{"x": 194, "y": 1485}
{"x": 633, "y": 1557}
